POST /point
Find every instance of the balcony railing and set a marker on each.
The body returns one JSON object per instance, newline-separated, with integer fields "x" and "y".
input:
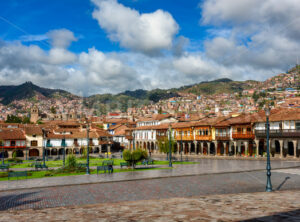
{"x": 184, "y": 137}
{"x": 203, "y": 137}
{"x": 223, "y": 136}
{"x": 283, "y": 133}
{"x": 247, "y": 135}
{"x": 13, "y": 147}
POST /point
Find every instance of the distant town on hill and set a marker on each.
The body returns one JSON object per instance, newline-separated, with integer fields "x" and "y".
{"x": 223, "y": 95}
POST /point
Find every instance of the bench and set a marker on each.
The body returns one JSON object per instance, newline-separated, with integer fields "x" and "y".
{"x": 107, "y": 164}
{"x": 102, "y": 168}
{"x": 40, "y": 166}
{"x": 4, "y": 167}
{"x": 124, "y": 164}
{"x": 148, "y": 162}
{"x": 113, "y": 157}
{"x": 101, "y": 156}
{"x": 17, "y": 174}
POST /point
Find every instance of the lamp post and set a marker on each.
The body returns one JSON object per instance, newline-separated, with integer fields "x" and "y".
{"x": 269, "y": 184}
{"x": 133, "y": 133}
{"x": 44, "y": 132}
{"x": 64, "y": 150}
{"x": 2, "y": 155}
{"x": 181, "y": 148}
{"x": 88, "y": 150}
{"x": 170, "y": 147}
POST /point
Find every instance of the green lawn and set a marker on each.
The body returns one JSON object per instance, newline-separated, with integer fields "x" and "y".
{"x": 41, "y": 174}
{"x": 93, "y": 162}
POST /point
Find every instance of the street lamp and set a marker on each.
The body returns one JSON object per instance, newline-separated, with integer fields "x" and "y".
{"x": 269, "y": 184}
{"x": 170, "y": 147}
{"x": 44, "y": 132}
{"x": 64, "y": 151}
{"x": 133, "y": 133}
{"x": 88, "y": 150}
{"x": 2, "y": 145}
{"x": 181, "y": 148}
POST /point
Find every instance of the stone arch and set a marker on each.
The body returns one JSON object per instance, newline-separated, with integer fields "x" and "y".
{"x": 4, "y": 153}
{"x": 261, "y": 147}
{"x": 68, "y": 151}
{"x": 34, "y": 152}
{"x": 212, "y": 148}
{"x": 205, "y": 148}
{"x": 220, "y": 148}
{"x": 19, "y": 153}
{"x": 61, "y": 151}
{"x": 193, "y": 148}
{"x": 277, "y": 147}
{"x": 290, "y": 148}
{"x": 54, "y": 152}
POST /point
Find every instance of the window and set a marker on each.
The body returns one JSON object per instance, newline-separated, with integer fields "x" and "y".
{"x": 33, "y": 143}
{"x": 297, "y": 125}
{"x": 13, "y": 143}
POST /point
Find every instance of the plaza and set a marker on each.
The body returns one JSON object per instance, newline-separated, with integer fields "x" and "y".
{"x": 215, "y": 185}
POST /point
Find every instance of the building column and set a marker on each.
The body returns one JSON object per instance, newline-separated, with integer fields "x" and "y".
{"x": 190, "y": 146}
{"x": 246, "y": 148}
{"x": 108, "y": 148}
{"x": 234, "y": 145}
{"x": 178, "y": 148}
{"x": 9, "y": 152}
{"x": 196, "y": 149}
{"x": 201, "y": 147}
{"x": 100, "y": 149}
{"x": 208, "y": 149}
{"x": 224, "y": 145}
{"x": 295, "y": 148}
{"x": 216, "y": 147}
{"x": 257, "y": 147}
{"x": 281, "y": 148}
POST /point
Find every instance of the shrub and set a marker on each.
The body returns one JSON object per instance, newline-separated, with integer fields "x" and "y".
{"x": 133, "y": 157}
{"x": 71, "y": 161}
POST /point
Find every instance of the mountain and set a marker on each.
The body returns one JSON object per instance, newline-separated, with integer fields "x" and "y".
{"x": 218, "y": 86}
{"x": 28, "y": 90}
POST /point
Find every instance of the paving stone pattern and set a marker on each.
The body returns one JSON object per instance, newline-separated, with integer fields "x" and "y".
{"x": 276, "y": 206}
{"x": 162, "y": 188}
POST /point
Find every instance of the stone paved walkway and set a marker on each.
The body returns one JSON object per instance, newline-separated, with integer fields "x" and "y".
{"x": 161, "y": 188}
{"x": 205, "y": 166}
{"x": 275, "y": 206}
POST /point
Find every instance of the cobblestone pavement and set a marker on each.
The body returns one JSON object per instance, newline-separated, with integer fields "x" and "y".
{"x": 162, "y": 188}
{"x": 275, "y": 206}
{"x": 205, "y": 166}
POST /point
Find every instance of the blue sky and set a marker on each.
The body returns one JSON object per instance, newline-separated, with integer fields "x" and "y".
{"x": 108, "y": 46}
{"x": 37, "y": 17}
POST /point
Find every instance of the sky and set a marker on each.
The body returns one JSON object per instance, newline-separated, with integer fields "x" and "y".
{"x": 109, "y": 46}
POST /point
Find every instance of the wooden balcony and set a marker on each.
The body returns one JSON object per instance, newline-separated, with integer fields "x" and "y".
{"x": 222, "y": 137}
{"x": 248, "y": 135}
{"x": 286, "y": 133}
{"x": 203, "y": 137}
{"x": 14, "y": 147}
{"x": 184, "y": 137}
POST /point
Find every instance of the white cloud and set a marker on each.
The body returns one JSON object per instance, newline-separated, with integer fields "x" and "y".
{"x": 61, "y": 38}
{"x": 145, "y": 32}
{"x": 260, "y": 34}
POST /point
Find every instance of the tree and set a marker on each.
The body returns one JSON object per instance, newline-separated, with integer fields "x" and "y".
{"x": 163, "y": 145}
{"x": 135, "y": 156}
{"x": 53, "y": 110}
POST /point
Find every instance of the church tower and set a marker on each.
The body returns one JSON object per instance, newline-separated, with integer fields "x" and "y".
{"x": 34, "y": 114}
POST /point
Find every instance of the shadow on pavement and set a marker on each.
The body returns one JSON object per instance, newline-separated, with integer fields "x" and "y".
{"x": 283, "y": 182}
{"x": 15, "y": 200}
{"x": 293, "y": 215}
